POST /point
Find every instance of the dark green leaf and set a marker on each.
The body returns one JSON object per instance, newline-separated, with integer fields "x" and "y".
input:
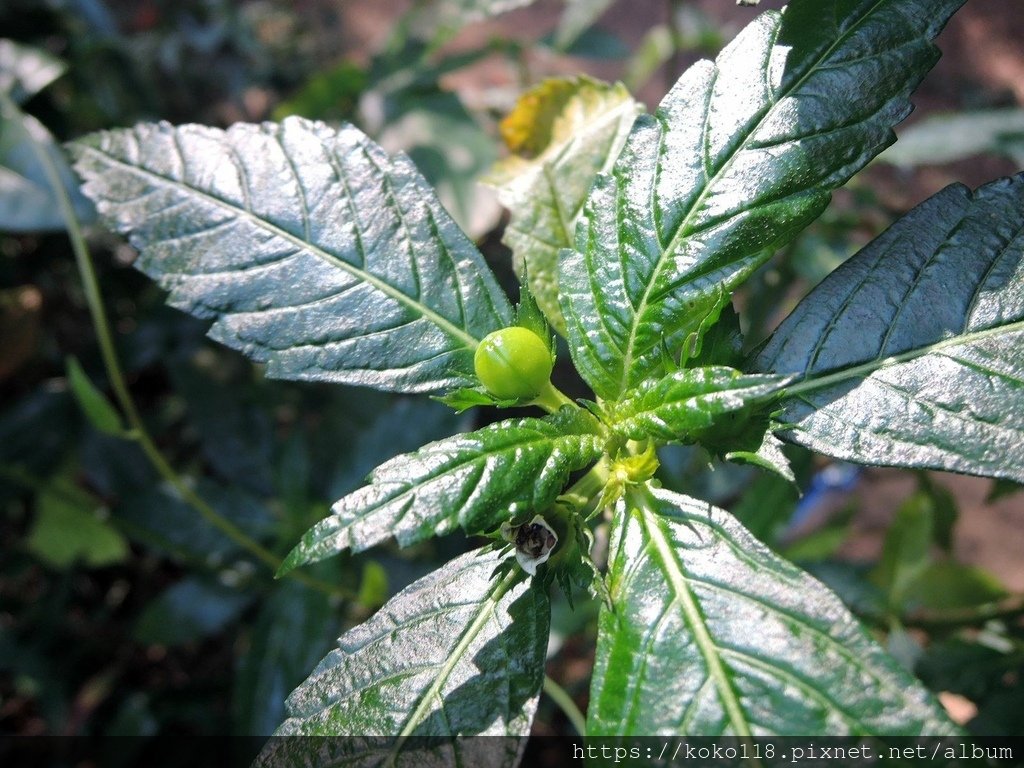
{"x": 25, "y": 71}
{"x": 314, "y": 251}
{"x": 562, "y": 133}
{"x": 721, "y": 344}
{"x": 476, "y": 480}
{"x": 295, "y": 628}
{"x": 1002, "y": 489}
{"x": 94, "y": 404}
{"x": 36, "y": 432}
{"x": 742, "y": 154}
{"x": 675, "y": 407}
{"x": 236, "y": 434}
{"x": 68, "y": 530}
{"x": 399, "y": 427}
{"x": 457, "y": 652}
{"x": 943, "y": 509}
{"x": 911, "y": 349}
{"x": 190, "y": 610}
{"x": 821, "y": 543}
{"x": 713, "y": 634}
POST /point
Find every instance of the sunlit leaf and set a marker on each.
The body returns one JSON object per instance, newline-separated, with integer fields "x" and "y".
{"x": 313, "y": 251}
{"x": 459, "y": 652}
{"x": 475, "y": 480}
{"x": 741, "y": 155}
{"x": 911, "y": 350}
{"x": 710, "y": 633}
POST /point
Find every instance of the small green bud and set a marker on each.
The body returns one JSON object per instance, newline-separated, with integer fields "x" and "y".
{"x": 513, "y": 363}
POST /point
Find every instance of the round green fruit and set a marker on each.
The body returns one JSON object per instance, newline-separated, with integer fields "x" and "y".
{"x": 513, "y": 363}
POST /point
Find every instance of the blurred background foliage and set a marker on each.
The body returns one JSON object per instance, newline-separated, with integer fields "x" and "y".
{"x": 127, "y": 608}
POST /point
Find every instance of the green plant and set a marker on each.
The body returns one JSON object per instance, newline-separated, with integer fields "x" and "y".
{"x": 320, "y": 256}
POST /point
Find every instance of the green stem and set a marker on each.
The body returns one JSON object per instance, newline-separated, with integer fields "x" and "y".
{"x": 105, "y": 338}
{"x": 592, "y": 483}
{"x": 564, "y": 702}
{"x": 551, "y": 399}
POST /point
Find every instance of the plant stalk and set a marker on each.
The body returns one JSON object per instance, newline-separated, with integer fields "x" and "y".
{"x": 564, "y": 702}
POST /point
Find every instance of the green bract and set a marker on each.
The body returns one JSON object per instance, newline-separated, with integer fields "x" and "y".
{"x": 513, "y": 363}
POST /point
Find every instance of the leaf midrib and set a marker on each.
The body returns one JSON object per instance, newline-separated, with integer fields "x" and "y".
{"x": 709, "y": 650}
{"x": 487, "y": 610}
{"x": 681, "y": 231}
{"x": 470, "y": 341}
{"x": 822, "y": 381}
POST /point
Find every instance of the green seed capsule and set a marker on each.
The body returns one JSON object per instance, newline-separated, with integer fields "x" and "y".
{"x": 513, "y": 363}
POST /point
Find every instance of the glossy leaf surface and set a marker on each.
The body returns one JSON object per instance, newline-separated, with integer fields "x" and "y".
{"x": 313, "y": 250}
{"x": 562, "y": 133}
{"x": 24, "y": 71}
{"x": 911, "y": 350}
{"x": 475, "y": 480}
{"x": 740, "y": 156}
{"x": 457, "y": 652}
{"x": 713, "y": 634}
{"x": 674, "y": 407}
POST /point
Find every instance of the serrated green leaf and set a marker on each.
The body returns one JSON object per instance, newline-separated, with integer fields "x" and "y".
{"x": 479, "y": 643}
{"x": 24, "y": 71}
{"x": 741, "y": 155}
{"x": 713, "y": 634}
{"x": 313, "y": 250}
{"x": 475, "y": 480}
{"x": 94, "y": 404}
{"x": 910, "y": 351}
{"x": 676, "y": 406}
{"x": 563, "y": 133}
